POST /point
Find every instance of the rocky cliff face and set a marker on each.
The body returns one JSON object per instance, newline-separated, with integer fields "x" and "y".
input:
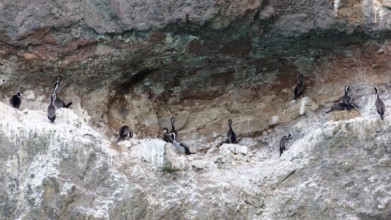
{"x": 202, "y": 62}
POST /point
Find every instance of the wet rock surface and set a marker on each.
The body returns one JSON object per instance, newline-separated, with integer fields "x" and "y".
{"x": 202, "y": 62}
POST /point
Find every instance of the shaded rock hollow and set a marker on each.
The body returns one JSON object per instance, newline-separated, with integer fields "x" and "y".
{"x": 202, "y": 62}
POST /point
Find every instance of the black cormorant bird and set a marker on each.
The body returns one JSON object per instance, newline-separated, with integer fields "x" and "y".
{"x": 51, "y": 108}
{"x": 300, "y": 87}
{"x": 284, "y": 143}
{"x": 125, "y": 133}
{"x": 15, "y": 100}
{"x": 58, "y": 103}
{"x": 231, "y": 136}
{"x": 379, "y": 104}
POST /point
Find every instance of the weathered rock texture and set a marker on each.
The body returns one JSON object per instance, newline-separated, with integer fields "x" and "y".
{"x": 66, "y": 170}
{"x": 142, "y": 62}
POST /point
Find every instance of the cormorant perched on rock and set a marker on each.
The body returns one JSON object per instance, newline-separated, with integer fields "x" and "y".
{"x": 125, "y": 133}
{"x": 15, "y": 100}
{"x": 340, "y": 107}
{"x": 300, "y": 87}
{"x": 166, "y": 136}
{"x": 51, "y": 108}
{"x": 58, "y": 103}
{"x": 173, "y": 126}
{"x": 231, "y": 136}
{"x": 180, "y": 146}
{"x": 284, "y": 143}
{"x": 379, "y": 104}
{"x": 346, "y": 98}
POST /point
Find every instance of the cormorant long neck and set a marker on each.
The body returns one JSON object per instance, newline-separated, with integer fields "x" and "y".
{"x": 172, "y": 123}
{"x": 377, "y": 93}
{"x": 230, "y": 124}
{"x": 57, "y": 84}
{"x": 52, "y": 98}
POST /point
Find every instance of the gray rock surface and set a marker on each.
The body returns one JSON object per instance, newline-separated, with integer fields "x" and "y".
{"x": 331, "y": 170}
{"x": 82, "y": 19}
{"x": 203, "y": 62}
